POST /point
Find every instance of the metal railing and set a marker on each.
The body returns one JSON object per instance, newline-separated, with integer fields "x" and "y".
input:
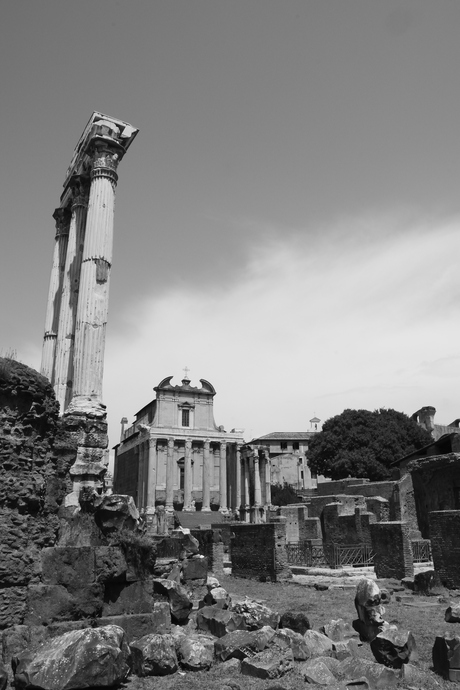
{"x": 329, "y": 555}
{"x": 421, "y": 550}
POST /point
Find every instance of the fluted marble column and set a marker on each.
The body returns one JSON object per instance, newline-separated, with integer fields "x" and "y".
{"x": 188, "y": 475}
{"x": 152, "y": 474}
{"x": 170, "y": 477}
{"x": 206, "y": 506}
{"x": 223, "y": 478}
{"x": 140, "y": 477}
{"x": 257, "y": 487}
{"x": 62, "y": 218}
{"x": 247, "y": 499}
{"x": 237, "y": 478}
{"x": 268, "y": 481}
{"x": 95, "y": 273}
{"x": 64, "y": 369}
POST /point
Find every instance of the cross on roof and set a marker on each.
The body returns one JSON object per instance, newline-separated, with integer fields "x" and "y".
{"x": 186, "y": 370}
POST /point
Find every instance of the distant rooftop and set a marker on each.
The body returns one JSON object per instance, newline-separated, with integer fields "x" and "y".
{"x": 285, "y": 435}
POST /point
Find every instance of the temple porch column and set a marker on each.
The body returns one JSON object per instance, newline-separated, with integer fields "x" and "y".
{"x": 152, "y": 474}
{"x": 188, "y": 475}
{"x": 140, "y": 477}
{"x": 223, "y": 478}
{"x": 257, "y": 487}
{"x": 170, "y": 477}
{"x": 206, "y": 505}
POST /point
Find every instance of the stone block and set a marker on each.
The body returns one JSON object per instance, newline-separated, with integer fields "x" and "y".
{"x": 68, "y": 566}
{"x": 446, "y": 654}
{"x": 126, "y": 598}
{"x": 12, "y": 606}
{"x": 295, "y": 620}
{"x": 452, "y": 614}
{"x": 444, "y": 531}
{"x": 137, "y": 625}
{"x": 195, "y": 568}
{"x": 48, "y": 603}
{"x": 315, "y": 671}
{"x": 154, "y": 655}
{"x": 378, "y": 676}
{"x": 239, "y": 643}
{"x": 393, "y": 647}
{"x": 110, "y": 564}
{"x": 78, "y": 659}
{"x": 219, "y": 622}
{"x": 318, "y": 644}
{"x": 267, "y": 664}
{"x": 196, "y": 653}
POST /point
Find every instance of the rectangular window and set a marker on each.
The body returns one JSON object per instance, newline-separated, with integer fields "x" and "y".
{"x": 185, "y": 417}
{"x": 283, "y": 445}
{"x": 295, "y": 445}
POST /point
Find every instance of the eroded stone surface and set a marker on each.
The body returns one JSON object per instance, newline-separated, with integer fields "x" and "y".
{"x": 78, "y": 659}
{"x": 154, "y": 655}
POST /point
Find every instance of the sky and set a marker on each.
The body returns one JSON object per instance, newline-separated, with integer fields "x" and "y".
{"x": 287, "y": 219}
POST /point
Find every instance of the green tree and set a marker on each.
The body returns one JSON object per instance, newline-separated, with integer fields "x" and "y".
{"x": 359, "y": 443}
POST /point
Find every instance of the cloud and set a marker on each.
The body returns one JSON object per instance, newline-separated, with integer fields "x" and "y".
{"x": 313, "y": 323}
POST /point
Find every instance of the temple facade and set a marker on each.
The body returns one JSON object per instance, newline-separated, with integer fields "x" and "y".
{"x": 175, "y": 455}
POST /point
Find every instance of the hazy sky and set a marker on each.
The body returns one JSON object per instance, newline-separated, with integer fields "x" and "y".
{"x": 287, "y": 219}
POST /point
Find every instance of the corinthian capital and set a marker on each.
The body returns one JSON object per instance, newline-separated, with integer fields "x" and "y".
{"x": 80, "y": 191}
{"x": 62, "y": 218}
{"x": 105, "y": 159}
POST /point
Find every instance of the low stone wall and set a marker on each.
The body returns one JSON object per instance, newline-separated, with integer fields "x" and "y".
{"x": 391, "y": 544}
{"x": 259, "y": 550}
{"x": 445, "y": 546}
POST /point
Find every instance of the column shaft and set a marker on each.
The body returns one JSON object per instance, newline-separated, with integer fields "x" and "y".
{"x": 257, "y": 487}
{"x": 63, "y": 378}
{"x": 140, "y": 478}
{"x": 152, "y": 476}
{"x": 188, "y": 476}
{"x": 223, "y": 477}
{"x": 237, "y": 478}
{"x": 170, "y": 476}
{"x": 94, "y": 279}
{"x": 206, "y": 506}
{"x": 61, "y": 216}
{"x": 268, "y": 481}
{"x": 247, "y": 499}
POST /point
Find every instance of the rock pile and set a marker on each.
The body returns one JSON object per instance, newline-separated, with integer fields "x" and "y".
{"x": 244, "y": 636}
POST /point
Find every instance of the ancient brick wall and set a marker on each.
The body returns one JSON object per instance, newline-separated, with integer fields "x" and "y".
{"x": 57, "y": 567}
{"x": 259, "y": 550}
{"x": 436, "y": 482}
{"x": 445, "y": 546}
{"x": 349, "y": 503}
{"x": 392, "y": 549}
{"x": 346, "y": 529}
{"x": 32, "y": 483}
